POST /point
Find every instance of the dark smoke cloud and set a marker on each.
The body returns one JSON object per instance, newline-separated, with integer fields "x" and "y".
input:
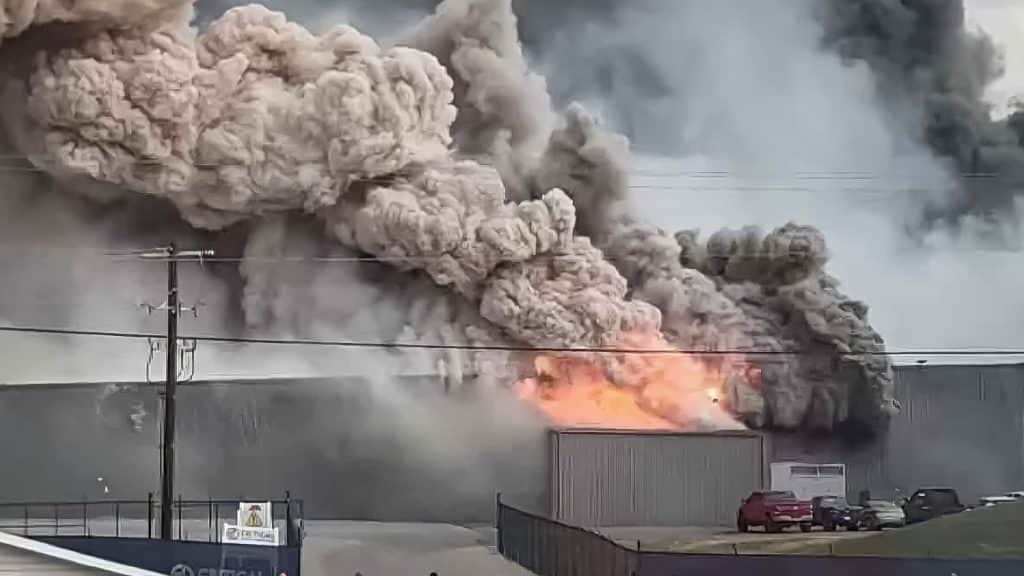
{"x": 450, "y": 173}
{"x": 742, "y": 290}
{"x": 577, "y": 44}
{"x": 931, "y": 68}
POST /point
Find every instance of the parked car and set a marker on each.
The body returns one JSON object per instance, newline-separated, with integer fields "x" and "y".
{"x": 993, "y": 500}
{"x": 878, "y": 514}
{"x": 775, "y": 511}
{"x": 928, "y": 503}
{"x": 831, "y": 512}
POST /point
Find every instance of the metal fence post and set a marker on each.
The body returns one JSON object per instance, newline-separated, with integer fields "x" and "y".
{"x": 117, "y": 519}
{"x": 85, "y": 518}
{"x": 287, "y": 517}
{"x": 209, "y": 519}
{"x": 497, "y": 522}
{"x": 179, "y": 516}
{"x": 149, "y": 516}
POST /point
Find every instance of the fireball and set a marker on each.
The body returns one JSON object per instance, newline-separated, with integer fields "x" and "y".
{"x": 644, "y": 384}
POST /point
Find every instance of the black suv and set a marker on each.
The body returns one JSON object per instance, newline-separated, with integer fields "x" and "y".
{"x": 831, "y": 512}
{"x": 928, "y": 503}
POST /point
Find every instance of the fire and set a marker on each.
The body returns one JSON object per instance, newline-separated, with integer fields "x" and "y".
{"x": 656, "y": 389}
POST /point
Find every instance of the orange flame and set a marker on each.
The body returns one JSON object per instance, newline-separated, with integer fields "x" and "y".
{"x": 655, "y": 389}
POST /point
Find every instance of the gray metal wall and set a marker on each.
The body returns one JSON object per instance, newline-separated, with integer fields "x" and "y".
{"x": 323, "y": 441}
{"x": 960, "y": 426}
{"x": 651, "y": 479}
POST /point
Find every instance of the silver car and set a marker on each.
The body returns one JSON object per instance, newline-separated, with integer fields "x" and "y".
{"x": 878, "y": 514}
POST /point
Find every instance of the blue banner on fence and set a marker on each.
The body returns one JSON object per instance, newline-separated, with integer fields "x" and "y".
{"x": 187, "y": 558}
{"x": 709, "y": 565}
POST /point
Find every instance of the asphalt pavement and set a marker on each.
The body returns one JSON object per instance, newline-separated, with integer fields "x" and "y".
{"x": 341, "y": 548}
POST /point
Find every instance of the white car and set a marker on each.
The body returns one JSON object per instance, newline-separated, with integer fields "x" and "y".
{"x": 994, "y": 500}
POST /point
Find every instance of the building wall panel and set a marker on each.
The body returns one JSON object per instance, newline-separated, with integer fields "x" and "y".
{"x": 960, "y": 426}
{"x": 649, "y": 479}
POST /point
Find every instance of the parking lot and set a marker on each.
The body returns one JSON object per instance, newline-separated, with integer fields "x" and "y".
{"x": 371, "y": 548}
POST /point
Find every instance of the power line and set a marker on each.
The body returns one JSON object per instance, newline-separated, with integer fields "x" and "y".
{"x": 366, "y": 344}
{"x": 807, "y": 175}
{"x": 778, "y": 188}
{"x": 426, "y": 258}
{"x": 825, "y": 175}
{"x": 640, "y": 171}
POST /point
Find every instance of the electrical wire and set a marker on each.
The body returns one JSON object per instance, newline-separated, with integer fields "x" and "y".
{"x": 640, "y": 171}
{"x": 484, "y": 348}
{"x": 825, "y": 175}
{"x": 135, "y": 258}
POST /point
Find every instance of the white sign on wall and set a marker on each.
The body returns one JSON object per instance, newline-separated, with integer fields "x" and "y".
{"x": 251, "y": 536}
{"x": 254, "y": 526}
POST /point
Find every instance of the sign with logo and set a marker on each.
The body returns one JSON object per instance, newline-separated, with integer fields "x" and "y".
{"x": 256, "y": 536}
{"x": 255, "y": 515}
{"x": 186, "y": 570}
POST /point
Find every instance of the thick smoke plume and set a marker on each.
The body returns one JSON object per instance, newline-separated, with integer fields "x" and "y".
{"x": 931, "y": 68}
{"x": 437, "y": 156}
{"x": 20, "y": 15}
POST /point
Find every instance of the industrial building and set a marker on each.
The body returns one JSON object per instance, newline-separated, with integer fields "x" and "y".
{"x": 604, "y": 478}
{"x": 960, "y": 426}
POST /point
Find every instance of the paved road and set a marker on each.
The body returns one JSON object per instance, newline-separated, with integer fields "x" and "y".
{"x": 393, "y": 549}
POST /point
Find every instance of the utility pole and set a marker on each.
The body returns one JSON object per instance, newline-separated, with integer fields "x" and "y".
{"x": 172, "y": 255}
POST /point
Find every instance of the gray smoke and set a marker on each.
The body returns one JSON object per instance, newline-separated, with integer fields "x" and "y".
{"x": 932, "y": 69}
{"x": 20, "y": 15}
{"x": 437, "y": 157}
{"x": 504, "y": 108}
{"x": 743, "y": 290}
{"x": 928, "y": 66}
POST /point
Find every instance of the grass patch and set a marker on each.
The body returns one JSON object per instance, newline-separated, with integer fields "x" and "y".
{"x": 995, "y": 532}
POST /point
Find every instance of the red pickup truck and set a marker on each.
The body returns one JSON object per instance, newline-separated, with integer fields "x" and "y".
{"x": 774, "y": 511}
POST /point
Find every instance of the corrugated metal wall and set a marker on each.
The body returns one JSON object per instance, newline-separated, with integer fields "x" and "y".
{"x": 648, "y": 479}
{"x": 960, "y": 426}
{"x": 323, "y": 440}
